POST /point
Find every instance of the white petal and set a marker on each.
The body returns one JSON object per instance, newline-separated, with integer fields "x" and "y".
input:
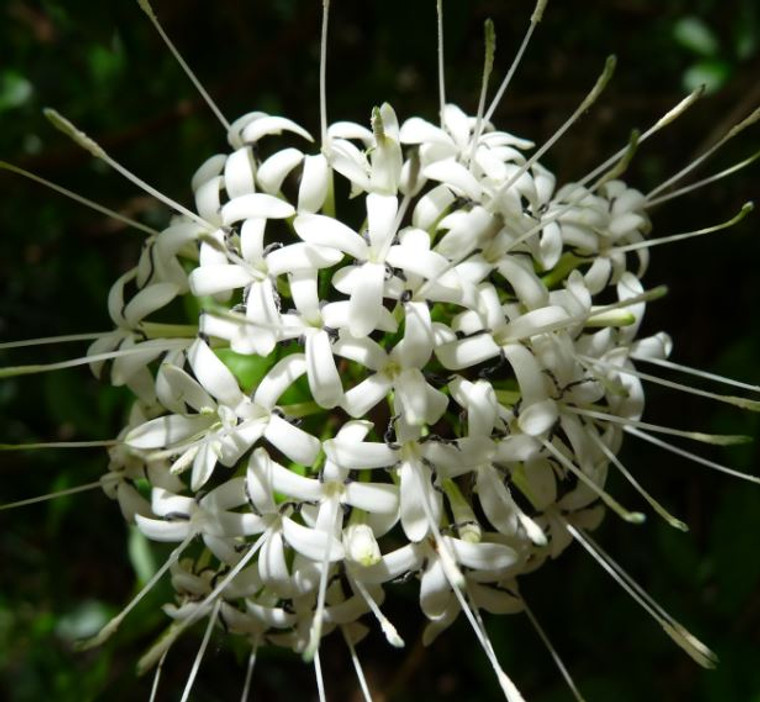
{"x": 361, "y": 398}
{"x": 176, "y": 389}
{"x": 203, "y": 465}
{"x": 482, "y": 556}
{"x": 416, "y": 130}
{"x": 326, "y": 231}
{"x": 213, "y": 375}
{"x": 381, "y": 215}
{"x": 295, "y": 443}
{"x": 256, "y": 205}
{"x": 148, "y": 300}
{"x": 209, "y": 169}
{"x": 284, "y": 373}
{"x": 294, "y": 485}
{"x": 324, "y": 380}
{"x": 312, "y": 543}
{"x": 364, "y": 351}
{"x": 167, "y": 431}
{"x": 252, "y": 239}
{"x": 276, "y": 168}
{"x": 455, "y": 176}
{"x": 312, "y": 192}
{"x": 208, "y": 199}
{"x": 240, "y": 173}
{"x": 355, "y": 455}
{"x": 300, "y": 256}
{"x": 372, "y": 497}
{"x": 209, "y": 280}
{"x": 435, "y": 591}
{"x": 417, "y": 345}
{"x": 161, "y": 530}
{"x": 366, "y": 301}
{"x": 463, "y": 353}
{"x": 265, "y": 125}
{"x": 273, "y": 568}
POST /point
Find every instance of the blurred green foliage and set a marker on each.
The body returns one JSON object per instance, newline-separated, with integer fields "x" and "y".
{"x": 66, "y": 565}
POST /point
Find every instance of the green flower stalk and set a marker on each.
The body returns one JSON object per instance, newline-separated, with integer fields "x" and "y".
{"x": 433, "y": 391}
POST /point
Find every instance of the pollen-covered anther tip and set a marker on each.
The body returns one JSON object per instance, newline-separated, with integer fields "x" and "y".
{"x": 65, "y": 126}
{"x": 146, "y": 7}
{"x": 538, "y": 12}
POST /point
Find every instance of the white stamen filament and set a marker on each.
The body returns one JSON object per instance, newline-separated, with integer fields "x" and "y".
{"x": 157, "y": 677}
{"x": 110, "y": 629}
{"x": 665, "y": 120}
{"x": 687, "y": 641}
{"x": 14, "y": 371}
{"x": 65, "y": 126}
{"x": 553, "y": 652}
{"x": 357, "y": 665}
{"x": 589, "y": 100}
{"x": 441, "y": 70}
{"x": 611, "y": 502}
{"x": 490, "y": 48}
{"x": 692, "y": 456}
{"x": 59, "y": 445}
{"x": 391, "y": 634}
{"x": 201, "y": 651}
{"x": 747, "y": 207}
{"x": 534, "y": 20}
{"x": 744, "y": 403}
{"x": 148, "y": 10}
{"x": 50, "y": 496}
{"x": 705, "y": 181}
{"x": 79, "y": 198}
{"x": 736, "y": 129}
{"x": 46, "y": 340}
{"x": 653, "y": 503}
{"x": 323, "y": 75}
{"x": 315, "y": 635}
{"x": 319, "y": 677}
{"x": 699, "y": 373}
{"x": 715, "y": 439}
{"x": 249, "y": 671}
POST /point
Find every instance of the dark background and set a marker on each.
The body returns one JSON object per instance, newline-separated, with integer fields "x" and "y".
{"x": 66, "y": 564}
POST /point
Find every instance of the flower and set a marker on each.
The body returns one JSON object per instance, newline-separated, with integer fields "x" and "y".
{"x": 437, "y": 393}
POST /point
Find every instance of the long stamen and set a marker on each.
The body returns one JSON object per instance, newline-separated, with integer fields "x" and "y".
{"x": 249, "y": 671}
{"x": 590, "y": 99}
{"x": 45, "y": 340}
{"x": 490, "y": 49}
{"x": 148, "y": 10}
{"x": 201, "y": 651}
{"x": 670, "y": 116}
{"x": 692, "y": 456}
{"x": 65, "y": 126}
{"x": 699, "y": 373}
{"x": 611, "y": 502}
{"x": 157, "y": 677}
{"x": 323, "y": 74}
{"x": 441, "y": 72}
{"x": 736, "y": 129}
{"x": 320, "y": 678}
{"x": 78, "y": 198}
{"x": 391, "y": 634}
{"x": 15, "y": 371}
{"x": 535, "y": 18}
{"x": 687, "y": 641}
{"x": 715, "y": 439}
{"x": 553, "y": 652}
{"x": 59, "y": 445}
{"x": 457, "y": 582}
{"x": 744, "y": 403}
{"x": 50, "y": 496}
{"x": 705, "y": 181}
{"x": 747, "y": 207}
{"x": 653, "y": 503}
{"x": 315, "y": 635}
{"x": 357, "y": 665}
{"x": 109, "y": 629}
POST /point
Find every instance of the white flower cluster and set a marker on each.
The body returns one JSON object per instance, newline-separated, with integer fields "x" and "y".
{"x": 435, "y": 392}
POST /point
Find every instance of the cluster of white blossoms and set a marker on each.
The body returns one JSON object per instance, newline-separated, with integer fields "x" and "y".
{"x": 412, "y": 356}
